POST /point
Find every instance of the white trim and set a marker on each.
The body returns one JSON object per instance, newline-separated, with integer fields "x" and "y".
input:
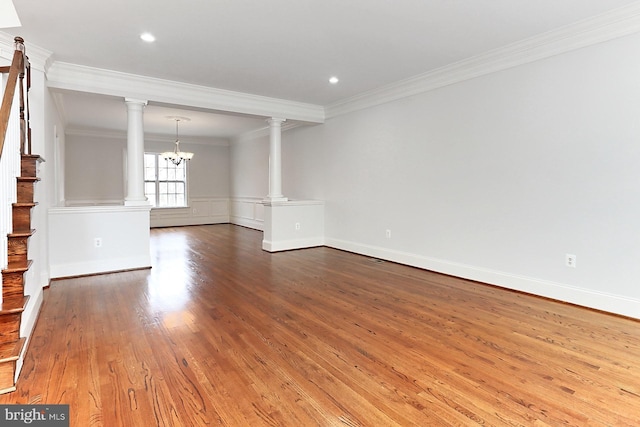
{"x": 39, "y": 58}
{"x": 28, "y": 324}
{"x": 201, "y": 211}
{"x": 287, "y": 245}
{"x": 264, "y": 132}
{"x": 254, "y": 220}
{"x": 256, "y": 224}
{"x": 100, "y": 266}
{"x": 179, "y": 221}
{"x": 96, "y": 209}
{"x": 607, "y": 26}
{"x": 65, "y": 76}
{"x": 611, "y": 303}
{"x": 58, "y": 101}
{"x": 92, "y": 202}
{"x": 293, "y": 202}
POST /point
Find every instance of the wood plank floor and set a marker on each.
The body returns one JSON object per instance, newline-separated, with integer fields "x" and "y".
{"x": 219, "y": 332}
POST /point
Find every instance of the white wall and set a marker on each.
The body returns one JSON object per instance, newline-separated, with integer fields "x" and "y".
{"x": 208, "y": 183}
{"x": 293, "y": 225}
{"x": 209, "y": 168}
{"x": 304, "y": 159}
{"x": 249, "y": 165}
{"x": 94, "y": 174}
{"x": 94, "y": 168}
{"x": 249, "y": 179}
{"x": 494, "y": 179}
{"x": 124, "y": 239}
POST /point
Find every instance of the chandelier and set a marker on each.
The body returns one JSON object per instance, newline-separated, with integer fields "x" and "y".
{"x": 177, "y": 156}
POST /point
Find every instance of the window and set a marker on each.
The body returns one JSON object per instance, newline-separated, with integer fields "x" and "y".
{"x": 165, "y": 184}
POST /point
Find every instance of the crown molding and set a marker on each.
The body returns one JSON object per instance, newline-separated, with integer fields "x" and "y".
{"x": 607, "y": 26}
{"x": 39, "y": 58}
{"x": 264, "y": 131}
{"x": 81, "y": 78}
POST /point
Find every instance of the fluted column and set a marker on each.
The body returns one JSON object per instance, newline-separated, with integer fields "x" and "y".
{"x": 135, "y": 153}
{"x": 275, "y": 161}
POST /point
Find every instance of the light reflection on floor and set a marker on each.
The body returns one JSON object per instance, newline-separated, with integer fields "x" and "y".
{"x": 170, "y": 277}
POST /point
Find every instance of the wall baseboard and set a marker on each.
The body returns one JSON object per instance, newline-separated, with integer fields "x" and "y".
{"x": 610, "y": 303}
{"x": 287, "y": 245}
{"x": 183, "y": 221}
{"x": 247, "y": 222}
{"x": 99, "y": 266}
{"x": 28, "y": 324}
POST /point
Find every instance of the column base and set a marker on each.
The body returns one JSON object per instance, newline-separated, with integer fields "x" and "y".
{"x": 268, "y": 199}
{"x": 144, "y": 202}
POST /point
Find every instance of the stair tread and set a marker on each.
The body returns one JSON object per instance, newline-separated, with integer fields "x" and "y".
{"x": 10, "y": 351}
{"x": 25, "y": 204}
{"x": 17, "y": 266}
{"x": 22, "y": 233}
{"x": 15, "y": 304}
{"x": 28, "y": 178}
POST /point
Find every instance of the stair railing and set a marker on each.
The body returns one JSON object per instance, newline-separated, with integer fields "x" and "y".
{"x": 17, "y": 71}
{"x": 15, "y": 137}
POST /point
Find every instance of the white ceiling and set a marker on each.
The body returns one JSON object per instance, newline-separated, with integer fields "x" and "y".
{"x": 284, "y": 49}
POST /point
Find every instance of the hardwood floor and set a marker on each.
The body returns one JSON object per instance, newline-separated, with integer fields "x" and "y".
{"x": 219, "y": 332}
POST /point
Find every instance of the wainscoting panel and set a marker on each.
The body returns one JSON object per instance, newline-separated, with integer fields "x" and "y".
{"x": 247, "y": 212}
{"x": 200, "y": 211}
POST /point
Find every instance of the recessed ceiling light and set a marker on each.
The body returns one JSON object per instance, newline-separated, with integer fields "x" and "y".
{"x": 148, "y": 37}
{"x": 333, "y": 80}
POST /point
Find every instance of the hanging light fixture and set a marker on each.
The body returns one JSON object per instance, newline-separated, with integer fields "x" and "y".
{"x": 177, "y": 156}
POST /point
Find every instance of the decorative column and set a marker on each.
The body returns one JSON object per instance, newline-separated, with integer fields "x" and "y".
{"x": 275, "y": 161}
{"x": 135, "y": 153}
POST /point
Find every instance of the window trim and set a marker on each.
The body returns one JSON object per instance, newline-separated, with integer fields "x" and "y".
{"x": 157, "y": 182}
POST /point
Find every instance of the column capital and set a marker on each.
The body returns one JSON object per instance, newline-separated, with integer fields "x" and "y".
{"x": 275, "y": 121}
{"x": 134, "y": 101}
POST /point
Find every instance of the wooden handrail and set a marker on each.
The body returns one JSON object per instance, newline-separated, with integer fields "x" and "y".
{"x": 15, "y": 70}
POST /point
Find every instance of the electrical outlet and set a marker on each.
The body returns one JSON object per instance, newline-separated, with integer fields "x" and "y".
{"x": 297, "y": 226}
{"x": 388, "y": 234}
{"x": 97, "y": 242}
{"x": 570, "y": 260}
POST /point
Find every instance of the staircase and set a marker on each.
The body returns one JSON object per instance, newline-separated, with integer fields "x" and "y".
{"x": 13, "y": 299}
{"x": 14, "y": 138}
